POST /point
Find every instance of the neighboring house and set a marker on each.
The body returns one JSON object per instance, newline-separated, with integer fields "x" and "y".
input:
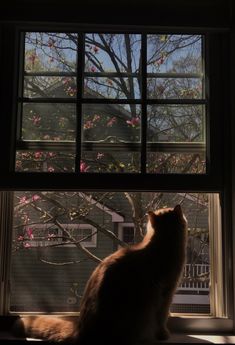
{"x": 49, "y": 272}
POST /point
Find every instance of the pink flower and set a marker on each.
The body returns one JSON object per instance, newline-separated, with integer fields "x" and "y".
{"x": 32, "y": 57}
{"x": 23, "y": 200}
{"x": 36, "y": 119}
{"x": 84, "y": 167}
{"x": 20, "y": 238}
{"x": 135, "y": 121}
{"x": 27, "y": 245}
{"x": 38, "y": 154}
{"x": 111, "y": 122}
{"x": 35, "y": 197}
{"x": 99, "y": 155}
{"x": 88, "y": 124}
{"x": 50, "y": 169}
{"x": 95, "y": 49}
{"x": 29, "y": 232}
{"x": 51, "y": 43}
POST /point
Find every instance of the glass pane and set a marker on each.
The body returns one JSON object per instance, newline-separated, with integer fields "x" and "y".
{"x": 178, "y": 163}
{"x": 118, "y": 53}
{"x": 174, "y": 53}
{"x": 50, "y": 87}
{"x": 50, "y": 51}
{"x": 176, "y": 123}
{"x": 44, "y": 161}
{"x": 174, "y": 88}
{"x": 49, "y": 121}
{"x": 110, "y": 161}
{"x": 50, "y": 278}
{"x": 111, "y": 123}
{"x": 110, "y": 87}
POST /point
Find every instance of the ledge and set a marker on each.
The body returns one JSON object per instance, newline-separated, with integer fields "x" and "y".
{"x": 177, "y": 338}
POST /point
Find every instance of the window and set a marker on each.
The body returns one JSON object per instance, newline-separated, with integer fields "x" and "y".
{"x": 112, "y": 103}
{"x": 48, "y": 235}
{"x": 53, "y": 251}
{"x": 100, "y": 116}
{"x": 126, "y": 232}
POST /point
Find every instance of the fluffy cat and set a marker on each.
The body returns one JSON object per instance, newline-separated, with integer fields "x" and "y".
{"x": 127, "y": 298}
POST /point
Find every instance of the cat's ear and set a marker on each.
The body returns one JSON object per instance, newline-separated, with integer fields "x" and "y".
{"x": 178, "y": 210}
{"x": 152, "y": 218}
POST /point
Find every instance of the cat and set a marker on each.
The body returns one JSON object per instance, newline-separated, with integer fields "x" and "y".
{"x": 127, "y": 298}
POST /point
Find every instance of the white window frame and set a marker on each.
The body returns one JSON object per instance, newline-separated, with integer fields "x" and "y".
{"x": 121, "y": 227}
{"x": 36, "y": 243}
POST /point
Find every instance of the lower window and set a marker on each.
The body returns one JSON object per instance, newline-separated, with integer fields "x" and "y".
{"x": 58, "y": 238}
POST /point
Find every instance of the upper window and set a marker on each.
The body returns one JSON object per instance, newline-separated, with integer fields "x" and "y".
{"x": 111, "y": 102}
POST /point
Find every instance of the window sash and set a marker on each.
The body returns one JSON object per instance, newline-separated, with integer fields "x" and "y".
{"x": 144, "y": 147}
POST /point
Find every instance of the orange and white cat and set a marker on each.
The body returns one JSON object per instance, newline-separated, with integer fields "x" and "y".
{"x": 127, "y": 298}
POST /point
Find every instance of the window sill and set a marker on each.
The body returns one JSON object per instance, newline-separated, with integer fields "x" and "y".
{"x": 176, "y": 338}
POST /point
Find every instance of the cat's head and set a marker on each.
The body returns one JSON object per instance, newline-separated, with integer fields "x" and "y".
{"x": 167, "y": 218}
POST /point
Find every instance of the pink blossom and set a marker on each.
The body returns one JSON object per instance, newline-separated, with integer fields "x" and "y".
{"x": 32, "y": 57}
{"x": 84, "y": 167}
{"x": 27, "y": 245}
{"x": 88, "y": 124}
{"x": 23, "y": 200}
{"x": 133, "y": 122}
{"x": 51, "y": 43}
{"x": 111, "y": 122}
{"x": 20, "y": 238}
{"x": 29, "y": 232}
{"x": 96, "y": 49}
{"x": 35, "y": 197}
{"x": 160, "y": 61}
{"x": 50, "y": 169}
{"x": 36, "y": 119}
{"x": 38, "y": 154}
{"x": 99, "y": 155}
{"x": 96, "y": 118}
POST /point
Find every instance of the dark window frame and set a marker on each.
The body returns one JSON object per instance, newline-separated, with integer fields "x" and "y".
{"x": 212, "y": 180}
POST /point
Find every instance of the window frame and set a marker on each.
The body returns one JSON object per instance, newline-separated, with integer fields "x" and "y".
{"x": 215, "y": 180}
{"x": 34, "y": 242}
{"x": 212, "y": 179}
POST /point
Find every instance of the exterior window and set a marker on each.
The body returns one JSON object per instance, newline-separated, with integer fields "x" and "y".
{"x": 43, "y": 235}
{"x": 111, "y": 103}
{"x": 126, "y": 232}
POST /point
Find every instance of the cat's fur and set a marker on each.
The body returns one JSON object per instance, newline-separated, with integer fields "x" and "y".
{"x": 127, "y": 298}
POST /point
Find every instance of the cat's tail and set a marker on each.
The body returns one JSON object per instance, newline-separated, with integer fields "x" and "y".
{"x": 56, "y": 329}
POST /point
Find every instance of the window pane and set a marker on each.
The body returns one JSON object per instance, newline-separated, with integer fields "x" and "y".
{"x": 111, "y": 123}
{"x": 44, "y": 161}
{"x": 176, "y": 123}
{"x": 49, "y": 121}
{"x": 50, "y": 276}
{"x": 177, "y": 163}
{"x": 174, "y": 53}
{"x": 45, "y": 51}
{"x": 49, "y": 87}
{"x": 110, "y": 87}
{"x": 118, "y": 53}
{"x": 110, "y": 161}
{"x": 174, "y": 88}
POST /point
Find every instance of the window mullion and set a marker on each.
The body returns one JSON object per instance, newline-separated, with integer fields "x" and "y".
{"x": 80, "y": 76}
{"x": 144, "y": 102}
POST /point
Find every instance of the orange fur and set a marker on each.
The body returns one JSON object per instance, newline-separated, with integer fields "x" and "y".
{"x": 128, "y": 296}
